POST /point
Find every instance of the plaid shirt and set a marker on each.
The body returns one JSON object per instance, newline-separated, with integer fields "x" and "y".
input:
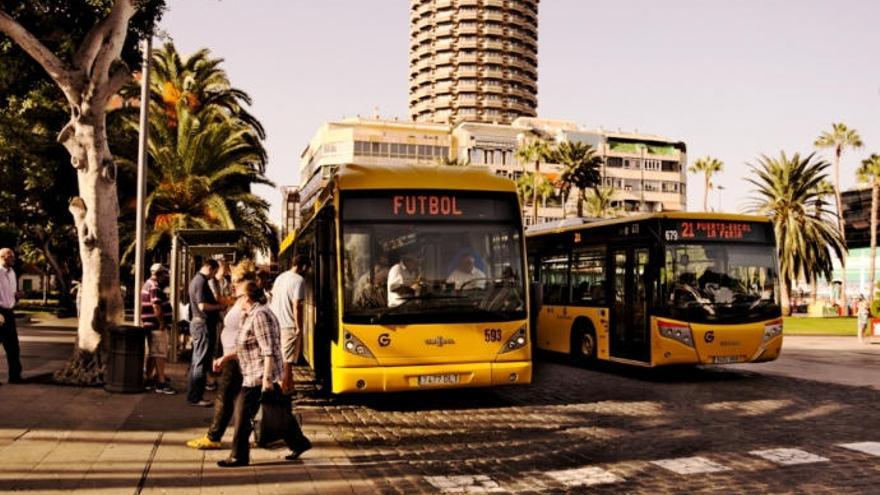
{"x": 258, "y": 337}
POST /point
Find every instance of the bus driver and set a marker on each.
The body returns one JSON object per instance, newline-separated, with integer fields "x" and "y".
{"x": 467, "y": 275}
{"x": 403, "y": 279}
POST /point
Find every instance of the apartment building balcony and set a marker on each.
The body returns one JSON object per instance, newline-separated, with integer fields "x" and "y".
{"x": 493, "y": 45}
{"x": 489, "y": 103}
{"x": 467, "y": 59}
{"x": 521, "y": 8}
{"x": 494, "y": 3}
{"x": 493, "y": 30}
{"x": 446, "y": 4}
{"x": 493, "y": 16}
{"x": 468, "y": 72}
{"x": 468, "y": 15}
{"x": 466, "y": 87}
{"x": 493, "y": 88}
{"x": 467, "y": 44}
{"x": 468, "y": 3}
{"x": 494, "y": 74}
{"x": 519, "y": 107}
{"x": 491, "y": 58}
{"x": 467, "y": 29}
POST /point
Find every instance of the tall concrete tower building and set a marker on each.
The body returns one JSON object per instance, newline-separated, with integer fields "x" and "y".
{"x": 473, "y": 60}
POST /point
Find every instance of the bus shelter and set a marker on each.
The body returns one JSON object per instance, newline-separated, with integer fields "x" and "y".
{"x": 188, "y": 248}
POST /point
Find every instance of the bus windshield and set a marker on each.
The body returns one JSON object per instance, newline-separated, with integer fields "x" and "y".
{"x": 432, "y": 271}
{"x": 720, "y": 282}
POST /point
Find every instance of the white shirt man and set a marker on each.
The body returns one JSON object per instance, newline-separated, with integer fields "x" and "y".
{"x": 467, "y": 275}
{"x": 288, "y": 295}
{"x": 8, "y": 296}
{"x": 403, "y": 279}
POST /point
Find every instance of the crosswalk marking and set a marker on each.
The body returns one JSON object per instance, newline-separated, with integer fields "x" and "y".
{"x": 585, "y": 476}
{"x": 464, "y": 484}
{"x": 690, "y": 465}
{"x": 789, "y": 457}
{"x": 872, "y": 448}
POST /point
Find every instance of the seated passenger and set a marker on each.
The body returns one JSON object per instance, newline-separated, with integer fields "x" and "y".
{"x": 467, "y": 275}
{"x": 370, "y": 292}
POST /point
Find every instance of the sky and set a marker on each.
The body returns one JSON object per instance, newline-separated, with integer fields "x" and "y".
{"x": 733, "y": 79}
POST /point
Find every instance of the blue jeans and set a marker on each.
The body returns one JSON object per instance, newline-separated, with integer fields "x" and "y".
{"x": 201, "y": 359}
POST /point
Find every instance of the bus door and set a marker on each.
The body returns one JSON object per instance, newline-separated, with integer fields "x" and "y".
{"x": 630, "y": 333}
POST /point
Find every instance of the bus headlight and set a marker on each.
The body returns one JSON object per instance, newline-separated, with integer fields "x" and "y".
{"x": 771, "y": 331}
{"x": 516, "y": 341}
{"x": 676, "y": 331}
{"x": 354, "y": 346}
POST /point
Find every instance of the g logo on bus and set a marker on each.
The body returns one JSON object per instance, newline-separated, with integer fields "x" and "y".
{"x": 709, "y": 337}
{"x": 384, "y": 340}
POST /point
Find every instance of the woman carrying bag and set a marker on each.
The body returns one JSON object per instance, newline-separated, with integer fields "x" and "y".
{"x": 258, "y": 351}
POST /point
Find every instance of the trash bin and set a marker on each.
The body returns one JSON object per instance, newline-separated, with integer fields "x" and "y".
{"x": 874, "y": 327}
{"x": 124, "y": 372}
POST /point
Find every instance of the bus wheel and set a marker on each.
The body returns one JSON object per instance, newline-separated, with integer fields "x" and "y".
{"x": 583, "y": 345}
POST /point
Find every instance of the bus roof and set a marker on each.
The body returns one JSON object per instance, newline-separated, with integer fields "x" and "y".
{"x": 468, "y": 178}
{"x": 569, "y": 225}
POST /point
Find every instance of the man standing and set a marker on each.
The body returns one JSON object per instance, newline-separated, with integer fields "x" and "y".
{"x": 9, "y": 295}
{"x": 288, "y": 294}
{"x": 156, "y": 311}
{"x": 205, "y": 311}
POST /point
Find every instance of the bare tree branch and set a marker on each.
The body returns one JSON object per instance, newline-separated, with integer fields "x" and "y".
{"x": 58, "y": 70}
{"x": 88, "y": 50}
{"x": 111, "y": 44}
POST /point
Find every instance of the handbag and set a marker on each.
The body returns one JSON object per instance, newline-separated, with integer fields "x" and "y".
{"x": 275, "y": 418}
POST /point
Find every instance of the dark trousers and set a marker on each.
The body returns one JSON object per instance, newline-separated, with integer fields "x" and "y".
{"x": 202, "y": 335}
{"x": 246, "y": 406}
{"x": 228, "y": 387}
{"x": 9, "y": 336}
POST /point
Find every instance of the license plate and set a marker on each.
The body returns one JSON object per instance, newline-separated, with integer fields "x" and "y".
{"x": 727, "y": 359}
{"x": 437, "y": 380}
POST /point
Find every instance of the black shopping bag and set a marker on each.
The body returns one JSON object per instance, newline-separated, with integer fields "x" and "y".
{"x": 276, "y": 417}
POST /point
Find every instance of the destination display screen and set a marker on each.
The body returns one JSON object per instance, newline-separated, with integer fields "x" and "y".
{"x": 428, "y": 205}
{"x": 715, "y": 230}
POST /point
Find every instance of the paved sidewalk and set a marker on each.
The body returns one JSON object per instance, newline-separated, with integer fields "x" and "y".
{"x": 827, "y": 359}
{"x": 56, "y": 439}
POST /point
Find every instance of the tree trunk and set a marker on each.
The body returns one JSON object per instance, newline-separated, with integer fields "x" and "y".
{"x": 60, "y": 274}
{"x": 785, "y": 290}
{"x": 840, "y": 223}
{"x": 706, "y": 192}
{"x": 535, "y": 193}
{"x": 580, "y": 197}
{"x": 875, "y": 197}
{"x": 88, "y": 80}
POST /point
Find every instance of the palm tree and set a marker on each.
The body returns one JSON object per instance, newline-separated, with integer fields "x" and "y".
{"x": 582, "y": 170}
{"x": 530, "y": 185}
{"x": 201, "y": 82}
{"x": 840, "y": 138}
{"x": 599, "y": 203}
{"x": 869, "y": 173}
{"x": 807, "y": 239}
{"x": 537, "y": 151}
{"x": 823, "y": 190}
{"x": 708, "y": 166}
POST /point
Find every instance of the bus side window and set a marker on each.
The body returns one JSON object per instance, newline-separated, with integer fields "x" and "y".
{"x": 554, "y": 277}
{"x": 588, "y": 276}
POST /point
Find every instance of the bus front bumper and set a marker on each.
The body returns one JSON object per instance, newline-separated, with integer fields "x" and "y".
{"x": 428, "y": 377}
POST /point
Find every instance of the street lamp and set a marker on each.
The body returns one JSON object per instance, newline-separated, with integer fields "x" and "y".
{"x": 142, "y": 179}
{"x": 720, "y": 190}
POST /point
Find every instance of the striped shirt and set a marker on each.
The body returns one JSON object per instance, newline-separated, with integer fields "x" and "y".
{"x": 259, "y": 336}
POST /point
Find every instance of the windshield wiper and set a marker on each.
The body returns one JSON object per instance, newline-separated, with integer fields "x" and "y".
{"x": 424, "y": 297}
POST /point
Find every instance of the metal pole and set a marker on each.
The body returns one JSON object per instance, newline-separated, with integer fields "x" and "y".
{"x": 720, "y": 190}
{"x": 175, "y": 298}
{"x": 142, "y": 180}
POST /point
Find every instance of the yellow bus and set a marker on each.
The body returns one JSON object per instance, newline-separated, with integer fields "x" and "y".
{"x": 418, "y": 280}
{"x": 657, "y": 289}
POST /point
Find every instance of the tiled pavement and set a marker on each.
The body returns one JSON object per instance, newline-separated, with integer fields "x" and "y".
{"x": 609, "y": 430}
